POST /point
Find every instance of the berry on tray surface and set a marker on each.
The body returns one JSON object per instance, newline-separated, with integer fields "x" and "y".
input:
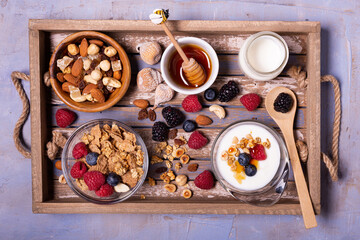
{"x": 64, "y": 117}
{"x": 210, "y": 94}
{"x": 78, "y": 170}
{"x": 113, "y": 179}
{"x": 160, "y": 132}
{"x": 228, "y": 91}
{"x": 250, "y": 101}
{"x": 79, "y": 150}
{"x": 105, "y": 190}
{"x": 204, "y": 180}
{"x": 91, "y": 158}
{"x": 94, "y": 180}
{"x": 173, "y": 116}
{"x": 191, "y": 104}
{"x": 197, "y": 140}
{"x": 283, "y": 103}
{"x": 189, "y": 126}
{"x": 258, "y": 152}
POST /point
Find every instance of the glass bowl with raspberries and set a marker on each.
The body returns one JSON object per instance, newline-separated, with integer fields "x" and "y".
{"x": 105, "y": 161}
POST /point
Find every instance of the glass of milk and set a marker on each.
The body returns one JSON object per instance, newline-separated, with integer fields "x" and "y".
{"x": 267, "y": 185}
{"x": 263, "y": 56}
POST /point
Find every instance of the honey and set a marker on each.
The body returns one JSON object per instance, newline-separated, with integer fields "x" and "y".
{"x": 175, "y": 64}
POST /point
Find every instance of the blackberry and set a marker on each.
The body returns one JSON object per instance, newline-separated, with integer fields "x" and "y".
{"x": 159, "y": 132}
{"x": 228, "y": 91}
{"x": 173, "y": 116}
{"x": 283, "y": 103}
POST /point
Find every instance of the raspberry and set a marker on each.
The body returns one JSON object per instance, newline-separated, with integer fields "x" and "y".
{"x": 228, "y": 91}
{"x": 250, "y": 101}
{"x": 64, "y": 117}
{"x": 258, "y": 152}
{"x": 173, "y": 116}
{"x": 197, "y": 140}
{"x": 191, "y": 104}
{"x": 160, "y": 132}
{"x": 79, "y": 150}
{"x": 78, "y": 170}
{"x": 105, "y": 190}
{"x": 94, "y": 180}
{"x": 204, "y": 180}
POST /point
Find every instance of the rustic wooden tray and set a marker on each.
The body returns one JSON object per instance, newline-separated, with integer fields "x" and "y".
{"x": 303, "y": 38}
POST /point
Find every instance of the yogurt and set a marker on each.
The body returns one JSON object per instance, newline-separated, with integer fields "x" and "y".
{"x": 266, "y": 169}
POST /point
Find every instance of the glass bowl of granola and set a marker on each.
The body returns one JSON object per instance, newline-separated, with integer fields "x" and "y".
{"x": 105, "y": 161}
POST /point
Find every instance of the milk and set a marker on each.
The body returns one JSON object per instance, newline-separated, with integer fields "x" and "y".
{"x": 266, "y": 169}
{"x": 266, "y": 53}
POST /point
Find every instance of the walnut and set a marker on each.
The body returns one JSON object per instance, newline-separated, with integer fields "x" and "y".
{"x": 152, "y": 181}
{"x": 155, "y": 159}
{"x": 177, "y": 166}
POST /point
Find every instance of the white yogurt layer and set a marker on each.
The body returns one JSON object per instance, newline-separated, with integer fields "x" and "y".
{"x": 266, "y": 169}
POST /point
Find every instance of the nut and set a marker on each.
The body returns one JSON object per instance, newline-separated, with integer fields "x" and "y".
{"x": 152, "y": 181}
{"x": 96, "y": 75}
{"x": 62, "y": 179}
{"x": 121, "y": 188}
{"x": 203, "y": 120}
{"x": 105, "y": 65}
{"x": 93, "y": 49}
{"x": 155, "y": 159}
{"x": 178, "y": 152}
{"x": 73, "y": 49}
{"x": 67, "y": 70}
{"x": 141, "y": 103}
{"x": 86, "y": 64}
{"x": 70, "y": 78}
{"x": 170, "y": 187}
{"x": 142, "y": 197}
{"x": 77, "y": 67}
{"x": 193, "y": 167}
{"x": 60, "y": 77}
{"x": 65, "y": 86}
{"x": 97, "y": 95}
{"x": 177, "y": 166}
{"x": 88, "y": 88}
{"x": 235, "y": 140}
{"x": 111, "y": 82}
{"x": 63, "y": 62}
{"x": 97, "y": 42}
{"x": 168, "y": 164}
{"x": 184, "y": 159}
{"x": 218, "y": 110}
{"x": 75, "y": 94}
{"x": 117, "y": 75}
{"x": 224, "y": 155}
{"x": 110, "y": 51}
{"x": 173, "y": 133}
{"x": 181, "y": 180}
{"x": 89, "y": 97}
{"x": 116, "y": 65}
{"x": 89, "y": 79}
{"x": 179, "y": 142}
{"x": 186, "y": 193}
{"x": 84, "y": 47}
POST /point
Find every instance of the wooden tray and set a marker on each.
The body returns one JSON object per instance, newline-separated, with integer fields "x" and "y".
{"x": 303, "y": 38}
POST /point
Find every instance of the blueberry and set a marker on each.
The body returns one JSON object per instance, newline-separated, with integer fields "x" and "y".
{"x": 91, "y": 158}
{"x": 113, "y": 179}
{"x": 210, "y": 94}
{"x": 244, "y": 159}
{"x": 250, "y": 170}
{"x": 189, "y": 126}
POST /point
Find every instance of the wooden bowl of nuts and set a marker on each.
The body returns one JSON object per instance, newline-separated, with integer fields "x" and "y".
{"x": 89, "y": 71}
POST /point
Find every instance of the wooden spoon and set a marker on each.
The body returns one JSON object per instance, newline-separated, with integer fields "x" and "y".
{"x": 193, "y": 71}
{"x": 286, "y": 122}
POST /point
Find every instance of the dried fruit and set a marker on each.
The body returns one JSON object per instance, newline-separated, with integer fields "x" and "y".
{"x": 116, "y": 75}
{"x": 97, "y": 95}
{"x": 181, "y": 180}
{"x": 173, "y": 133}
{"x": 170, "y": 187}
{"x": 186, "y": 193}
{"x": 163, "y": 93}
{"x": 83, "y": 47}
{"x": 218, "y": 110}
{"x": 150, "y": 52}
{"x": 203, "y": 120}
{"x": 141, "y": 103}
{"x": 161, "y": 170}
{"x": 184, "y": 159}
{"x": 148, "y": 79}
{"x": 197, "y": 140}
{"x": 58, "y": 165}
{"x": 151, "y": 181}
{"x": 152, "y": 115}
{"x": 179, "y": 142}
{"x": 193, "y": 167}
{"x": 143, "y": 114}
{"x": 191, "y": 104}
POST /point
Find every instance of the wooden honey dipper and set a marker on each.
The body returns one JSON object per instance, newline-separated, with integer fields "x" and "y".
{"x": 194, "y": 72}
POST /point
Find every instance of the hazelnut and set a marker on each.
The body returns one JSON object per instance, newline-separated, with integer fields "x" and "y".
{"x": 109, "y": 51}
{"x": 87, "y": 63}
{"x": 186, "y": 193}
{"x": 93, "y": 49}
{"x": 170, "y": 187}
{"x": 73, "y": 49}
{"x": 96, "y": 75}
{"x": 105, "y": 65}
{"x": 184, "y": 159}
{"x": 181, "y": 180}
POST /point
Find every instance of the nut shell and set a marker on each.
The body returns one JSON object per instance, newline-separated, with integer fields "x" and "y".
{"x": 150, "y": 52}
{"x": 148, "y": 79}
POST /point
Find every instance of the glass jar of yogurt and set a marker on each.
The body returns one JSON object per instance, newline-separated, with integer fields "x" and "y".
{"x": 263, "y": 187}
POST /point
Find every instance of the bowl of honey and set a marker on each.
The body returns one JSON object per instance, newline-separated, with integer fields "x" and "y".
{"x": 171, "y": 65}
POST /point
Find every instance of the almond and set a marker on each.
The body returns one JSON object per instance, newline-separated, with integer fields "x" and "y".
{"x": 97, "y": 95}
{"x": 203, "y": 120}
{"x": 70, "y": 78}
{"x": 65, "y": 86}
{"x": 141, "y": 103}
{"x": 117, "y": 75}
{"x": 83, "y": 47}
{"x": 97, "y": 42}
{"x": 60, "y": 76}
{"x": 77, "y": 67}
{"x": 88, "y": 88}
